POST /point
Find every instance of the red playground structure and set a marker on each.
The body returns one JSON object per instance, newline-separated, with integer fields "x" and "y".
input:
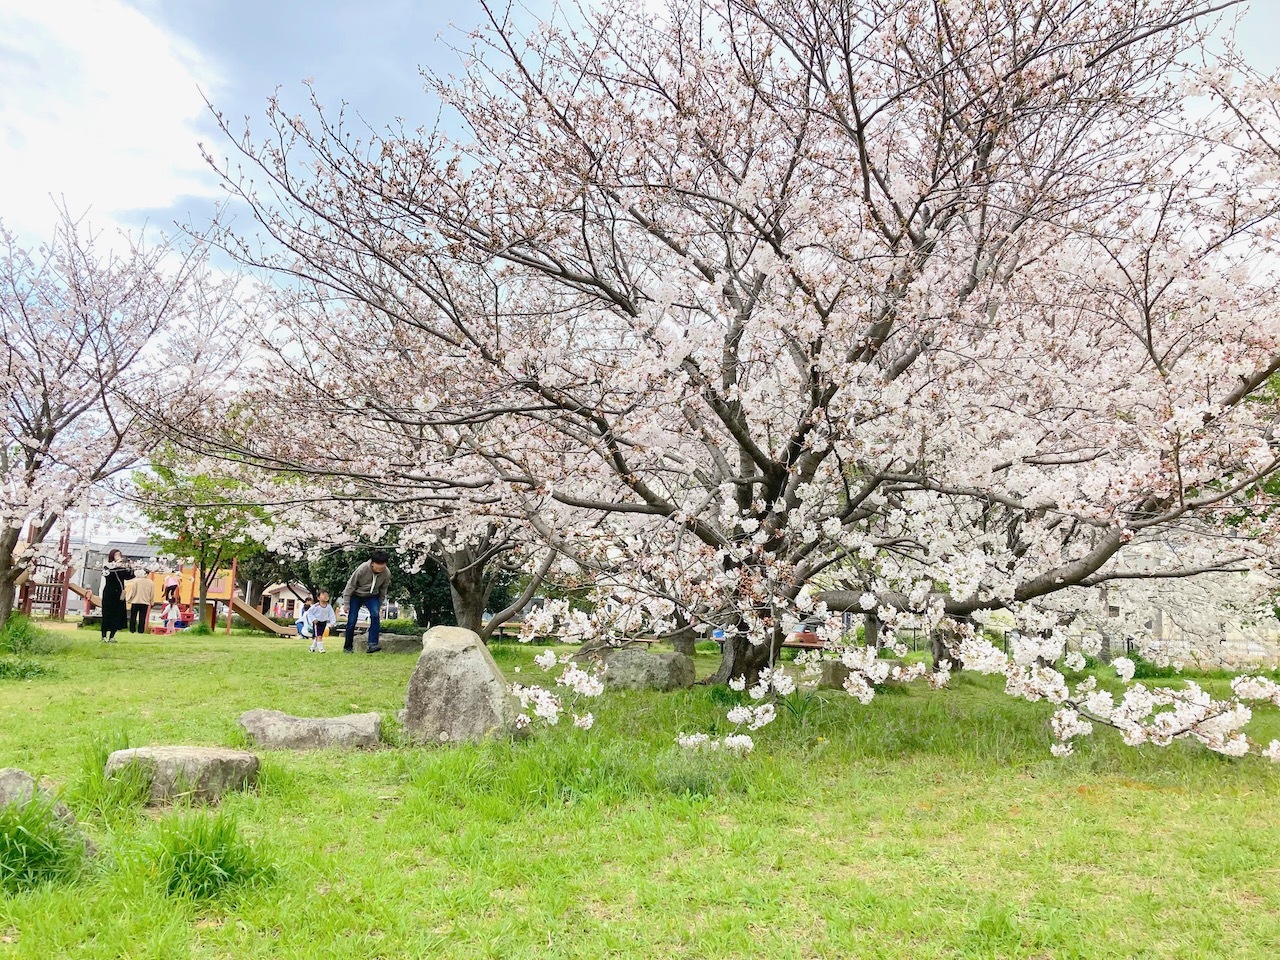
{"x": 45, "y": 584}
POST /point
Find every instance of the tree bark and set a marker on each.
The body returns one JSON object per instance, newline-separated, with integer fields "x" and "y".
{"x": 520, "y": 602}
{"x": 741, "y": 658}
{"x": 469, "y": 593}
{"x": 9, "y": 571}
{"x": 684, "y": 641}
{"x": 871, "y": 630}
{"x": 941, "y": 640}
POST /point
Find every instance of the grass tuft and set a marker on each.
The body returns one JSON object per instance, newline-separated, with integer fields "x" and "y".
{"x": 23, "y": 670}
{"x": 36, "y": 847}
{"x": 202, "y": 857}
{"x": 699, "y": 773}
{"x": 18, "y": 636}
{"x": 110, "y": 799}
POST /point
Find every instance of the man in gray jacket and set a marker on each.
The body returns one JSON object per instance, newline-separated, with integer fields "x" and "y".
{"x": 367, "y": 588}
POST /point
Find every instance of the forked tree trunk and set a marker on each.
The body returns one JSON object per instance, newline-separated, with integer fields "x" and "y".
{"x": 941, "y": 641}
{"x": 470, "y": 593}
{"x": 741, "y": 658}
{"x": 684, "y": 641}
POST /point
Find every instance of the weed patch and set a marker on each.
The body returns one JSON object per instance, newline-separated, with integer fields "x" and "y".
{"x": 201, "y": 857}
{"x": 36, "y": 847}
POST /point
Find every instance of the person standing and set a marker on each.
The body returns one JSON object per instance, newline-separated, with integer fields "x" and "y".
{"x": 141, "y": 594}
{"x": 116, "y": 572}
{"x": 367, "y": 589}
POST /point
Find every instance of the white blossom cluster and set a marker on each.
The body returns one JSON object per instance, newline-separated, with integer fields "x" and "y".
{"x": 738, "y": 743}
{"x": 541, "y": 704}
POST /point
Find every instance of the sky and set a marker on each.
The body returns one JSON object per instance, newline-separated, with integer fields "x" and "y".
{"x": 103, "y": 102}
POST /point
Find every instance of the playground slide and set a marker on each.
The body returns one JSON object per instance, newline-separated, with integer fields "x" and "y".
{"x": 75, "y": 588}
{"x": 258, "y": 620}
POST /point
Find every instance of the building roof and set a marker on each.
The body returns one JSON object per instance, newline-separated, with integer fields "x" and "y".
{"x": 301, "y": 589}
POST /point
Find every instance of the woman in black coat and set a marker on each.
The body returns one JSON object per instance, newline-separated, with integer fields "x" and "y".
{"x": 115, "y": 615}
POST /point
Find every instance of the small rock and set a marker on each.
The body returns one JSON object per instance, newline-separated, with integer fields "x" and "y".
{"x": 630, "y": 668}
{"x": 204, "y": 773}
{"x": 457, "y": 692}
{"x": 390, "y": 643}
{"x": 19, "y": 787}
{"x": 274, "y": 730}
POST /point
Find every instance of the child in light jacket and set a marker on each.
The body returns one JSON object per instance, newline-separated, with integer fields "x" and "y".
{"x": 320, "y": 619}
{"x": 171, "y": 614}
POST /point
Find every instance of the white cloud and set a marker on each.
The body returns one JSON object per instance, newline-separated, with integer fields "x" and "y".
{"x": 99, "y": 104}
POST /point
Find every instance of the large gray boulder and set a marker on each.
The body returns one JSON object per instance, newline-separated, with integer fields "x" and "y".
{"x": 457, "y": 692}
{"x": 274, "y": 730}
{"x": 634, "y": 668}
{"x": 200, "y": 773}
{"x": 390, "y": 643}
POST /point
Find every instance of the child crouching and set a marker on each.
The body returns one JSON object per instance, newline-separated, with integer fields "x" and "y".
{"x": 319, "y": 620}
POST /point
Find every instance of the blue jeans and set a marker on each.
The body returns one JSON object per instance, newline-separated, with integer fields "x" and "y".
{"x": 374, "y": 605}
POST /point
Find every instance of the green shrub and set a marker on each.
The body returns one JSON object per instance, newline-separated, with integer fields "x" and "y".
{"x": 22, "y": 670}
{"x": 506, "y": 653}
{"x": 1144, "y": 669}
{"x": 199, "y": 630}
{"x": 403, "y": 626}
{"x": 36, "y": 847}
{"x": 18, "y": 635}
{"x": 202, "y": 856}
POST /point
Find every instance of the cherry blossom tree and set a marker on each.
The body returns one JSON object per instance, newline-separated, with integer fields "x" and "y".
{"x": 314, "y": 440}
{"x": 90, "y": 332}
{"x": 775, "y": 309}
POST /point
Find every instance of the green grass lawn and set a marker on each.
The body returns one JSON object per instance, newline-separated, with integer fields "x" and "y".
{"x": 923, "y": 825}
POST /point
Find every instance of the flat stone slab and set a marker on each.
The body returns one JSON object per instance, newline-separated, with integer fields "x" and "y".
{"x": 632, "y": 668}
{"x": 274, "y": 730}
{"x": 389, "y": 642}
{"x": 457, "y": 692}
{"x": 201, "y": 773}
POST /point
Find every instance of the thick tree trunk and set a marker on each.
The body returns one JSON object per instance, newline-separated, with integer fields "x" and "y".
{"x": 469, "y": 593}
{"x": 741, "y": 658}
{"x": 684, "y": 641}
{"x": 871, "y": 630}
{"x": 9, "y": 571}
{"x": 6, "y": 595}
{"x": 941, "y": 641}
